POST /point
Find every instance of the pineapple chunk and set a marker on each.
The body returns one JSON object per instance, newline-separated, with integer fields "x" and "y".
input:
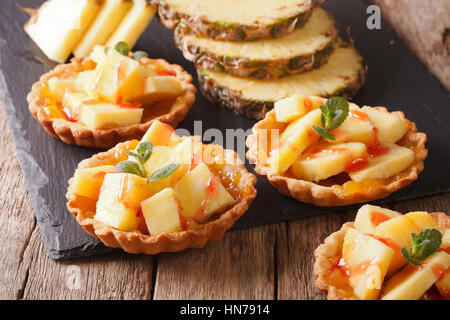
{"x": 446, "y": 239}
{"x": 366, "y": 261}
{"x": 108, "y": 19}
{"x": 443, "y": 285}
{"x": 385, "y": 166}
{"x": 120, "y": 198}
{"x": 390, "y": 127}
{"x": 294, "y": 107}
{"x": 293, "y": 141}
{"x": 161, "y": 212}
{"x": 356, "y": 128}
{"x": 59, "y": 86}
{"x": 159, "y": 133}
{"x": 73, "y": 101}
{"x": 117, "y": 78}
{"x": 98, "y": 54}
{"x": 134, "y": 23}
{"x": 412, "y": 282}
{"x": 396, "y": 232}
{"x": 88, "y": 181}
{"x": 159, "y": 88}
{"x": 160, "y": 157}
{"x": 60, "y": 24}
{"x": 104, "y": 115}
{"x": 201, "y": 194}
{"x": 369, "y": 217}
{"x": 321, "y": 162}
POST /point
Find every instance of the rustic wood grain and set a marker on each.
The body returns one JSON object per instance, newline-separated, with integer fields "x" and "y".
{"x": 425, "y": 27}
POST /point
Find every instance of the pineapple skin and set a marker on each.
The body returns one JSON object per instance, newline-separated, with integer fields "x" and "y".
{"x": 231, "y": 31}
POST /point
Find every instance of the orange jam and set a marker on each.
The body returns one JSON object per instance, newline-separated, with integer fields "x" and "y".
{"x": 359, "y": 115}
{"x": 377, "y": 217}
{"x": 364, "y": 187}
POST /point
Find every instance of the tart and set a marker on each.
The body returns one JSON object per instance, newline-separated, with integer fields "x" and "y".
{"x": 373, "y": 257}
{"x": 371, "y": 154}
{"x": 110, "y": 97}
{"x": 164, "y": 193}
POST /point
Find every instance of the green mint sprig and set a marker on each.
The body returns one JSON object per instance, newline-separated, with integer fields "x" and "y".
{"x": 423, "y": 245}
{"x": 138, "y": 55}
{"x": 122, "y": 47}
{"x": 334, "y": 113}
{"x": 164, "y": 172}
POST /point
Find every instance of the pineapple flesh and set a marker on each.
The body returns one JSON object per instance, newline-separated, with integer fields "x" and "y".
{"x": 369, "y": 217}
{"x": 390, "y": 127}
{"x": 103, "y": 115}
{"x": 88, "y": 181}
{"x": 292, "y": 108}
{"x": 59, "y": 87}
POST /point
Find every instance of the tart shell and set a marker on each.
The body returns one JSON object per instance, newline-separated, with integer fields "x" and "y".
{"x": 325, "y": 196}
{"x": 138, "y": 242}
{"x": 330, "y": 251}
{"x": 79, "y": 134}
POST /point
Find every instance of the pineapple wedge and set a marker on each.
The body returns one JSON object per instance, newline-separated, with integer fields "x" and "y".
{"x": 412, "y": 282}
{"x": 356, "y": 128}
{"x": 161, "y": 212}
{"x": 134, "y": 23}
{"x": 323, "y": 161}
{"x": 159, "y": 134}
{"x": 159, "y": 88}
{"x": 365, "y": 261}
{"x": 107, "y": 20}
{"x": 390, "y": 127}
{"x": 385, "y": 166}
{"x": 443, "y": 286}
{"x": 103, "y": 115}
{"x": 369, "y": 217}
{"x": 88, "y": 181}
{"x": 59, "y": 25}
{"x": 292, "y": 108}
{"x": 293, "y": 141}
{"x": 59, "y": 86}
{"x": 119, "y": 201}
{"x": 72, "y": 101}
{"x": 201, "y": 194}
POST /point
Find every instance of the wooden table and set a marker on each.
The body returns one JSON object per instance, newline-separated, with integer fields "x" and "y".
{"x": 269, "y": 262}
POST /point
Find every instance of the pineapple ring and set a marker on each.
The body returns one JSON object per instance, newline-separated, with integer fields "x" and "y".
{"x": 83, "y": 209}
{"x": 329, "y": 252}
{"x": 170, "y": 112}
{"x": 330, "y": 196}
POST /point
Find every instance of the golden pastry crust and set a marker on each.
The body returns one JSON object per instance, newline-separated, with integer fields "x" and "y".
{"x": 79, "y": 134}
{"x": 327, "y": 196}
{"x": 328, "y": 253}
{"x": 138, "y": 242}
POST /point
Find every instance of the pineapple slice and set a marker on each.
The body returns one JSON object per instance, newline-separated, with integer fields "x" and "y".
{"x": 412, "y": 282}
{"x": 59, "y": 25}
{"x": 369, "y": 217}
{"x": 59, "y": 86}
{"x": 88, "y": 181}
{"x": 107, "y": 20}
{"x": 293, "y": 141}
{"x": 117, "y": 78}
{"x": 159, "y": 88}
{"x": 201, "y": 194}
{"x": 356, "y": 128}
{"x": 159, "y": 133}
{"x": 292, "y": 108}
{"x": 103, "y": 115}
{"x": 443, "y": 285}
{"x": 396, "y": 233}
{"x": 134, "y": 23}
{"x": 324, "y": 161}
{"x": 119, "y": 201}
{"x": 385, "y": 166}
{"x": 390, "y": 127}
{"x": 72, "y": 101}
{"x": 365, "y": 261}
{"x": 161, "y": 212}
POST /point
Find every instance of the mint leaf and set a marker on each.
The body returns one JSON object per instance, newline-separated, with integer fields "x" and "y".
{"x": 145, "y": 150}
{"x": 334, "y": 112}
{"x": 324, "y": 133}
{"x": 135, "y": 155}
{"x": 164, "y": 172}
{"x": 122, "y": 47}
{"x": 138, "y": 55}
{"x": 411, "y": 260}
{"x": 130, "y": 167}
{"x": 423, "y": 245}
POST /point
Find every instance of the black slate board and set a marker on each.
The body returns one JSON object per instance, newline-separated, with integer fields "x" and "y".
{"x": 396, "y": 79}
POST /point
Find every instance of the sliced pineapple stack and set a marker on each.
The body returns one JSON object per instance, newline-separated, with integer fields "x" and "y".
{"x": 63, "y": 27}
{"x": 294, "y": 49}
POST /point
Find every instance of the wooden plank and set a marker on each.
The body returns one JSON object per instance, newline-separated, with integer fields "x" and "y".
{"x": 425, "y": 27}
{"x": 241, "y": 266}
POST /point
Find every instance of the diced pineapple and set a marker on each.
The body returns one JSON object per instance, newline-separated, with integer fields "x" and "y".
{"x": 59, "y": 86}
{"x": 107, "y": 20}
{"x": 117, "y": 78}
{"x": 134, "y": 23}
{"x": 188, "y": 153}
{"x": 162, "y": 213}
{"x": 356, "y": 128}
{"x": 446, "y": 239}
{"x": 294, "y": 107}
{"x": 160, "y": 157}
{"x": 104, "y": 115}
{"x": 293, "y": 141}
{"x": 98, "y": 54}
{"x": 73, "y": 101}
{"x": 323, "y": 161}
{"x": 385, "y": 166}
{"x": 201, "y": 194}
{"x": 59, "y": 25}
{"x": 443, "y": 285}
{"x": 159, "y": 88}
{"x": 365, "y": 260}
{"x": 412, "y": 282}
{"x": 390, "y": 127}
{"x": 396, "y": 232}
{"x": 159, "y": 133}
{"x": 120, "y": 198}
{"x": 88, "y": 181}
{"x": 369, "y": 217}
